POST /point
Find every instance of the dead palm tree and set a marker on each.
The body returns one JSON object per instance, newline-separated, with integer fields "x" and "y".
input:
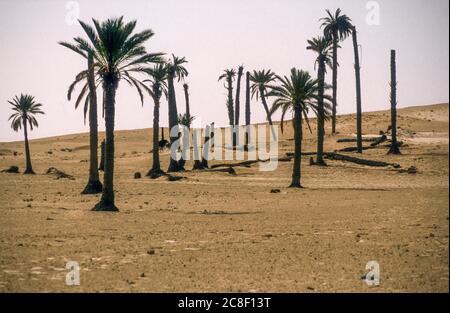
{"x": 158, "y": 87}
{"x": 118, "y": 54}
{"x": 336, "y": 27}
{"x": 25, "y": 108}
{"x": 394, "y": 145}
{"x": 237, "y": 102}
{"x": 175, "y": 69}
{"x": 229, "y": 75}
{"x": 247, "y": 108}
{"x": 261, "y": 81}
{"x": 322, "y": 47}
{"x": 358, "y": 92}
{"x": 186, "y": 98}
{"x": 298, "y": 93}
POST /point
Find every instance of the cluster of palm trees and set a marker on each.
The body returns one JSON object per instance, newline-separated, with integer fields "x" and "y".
{"x": 115, "y": 53}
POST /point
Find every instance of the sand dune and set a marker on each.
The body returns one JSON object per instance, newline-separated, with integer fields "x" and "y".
{"x": 219, "y": 232}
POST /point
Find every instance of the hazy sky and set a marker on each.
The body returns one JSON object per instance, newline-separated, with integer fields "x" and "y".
{"x": 214, "y": 35}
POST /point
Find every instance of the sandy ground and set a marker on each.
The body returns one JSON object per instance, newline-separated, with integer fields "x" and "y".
{"x": 218, "y": 232}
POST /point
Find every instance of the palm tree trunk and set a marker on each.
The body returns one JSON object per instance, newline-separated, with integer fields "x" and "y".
{"x": 266, "y": 108}
{"x": 107, "y": 201}
{"x": 186, "y": 97}
{"x": 101, "y": 167}
{"x": 296, "y": 173}
{"x": 230, "y": 106}
{"x": 320, "y": 113}
{"x": 29, "y": 168}
{"x": 358, "y": 93}
{"x": 173, "y": 123}
{"x": 237, "y": 105}
{"x": 247, "y": 108}
{"x": 394, "y": 149}
{"x": 94, "y": 185}
{"x": 155, "y": 171}
{"x": 335, "y": 69}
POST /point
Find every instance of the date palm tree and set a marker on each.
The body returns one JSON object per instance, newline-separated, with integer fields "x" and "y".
{"x": 229, "y": 75}
{"x": 175, "y": 69}
{"x": 298, "y": 93}
{"x": 118, "y": 54}
{"x": 89, "y": 91}
{"x": 336, "y": 27}
{"x": 25, "y": 107}
{"x": 261, "y": 81}
{"x": 322, "y": 47}
{"x": 158, "y": 87}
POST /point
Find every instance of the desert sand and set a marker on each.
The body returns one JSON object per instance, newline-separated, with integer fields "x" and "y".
{"x": 228, "y": 233}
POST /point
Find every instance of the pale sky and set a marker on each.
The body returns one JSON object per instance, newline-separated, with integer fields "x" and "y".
{"x": 214, "y": 35}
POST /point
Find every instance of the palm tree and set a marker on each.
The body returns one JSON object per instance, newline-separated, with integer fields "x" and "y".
{"x": 229, "y": 75}
{"x": 175, "y": 69}
{"x": 358, "y": 92}
{"x": 25, "y": 108}
{"x": 336, "y": 27}
{"x": 261, "y": 80}
{"x": 118, "y": 54}
{"x": 158, "y": 86}
{"x": 394, "y": 145}
{"x": 89, "y": 91}
{"x": 188, "y": 107}
{"x": 322, "y": 47}
{"x": 299, "y": 93}
{"x": 247, "y": 107}
{"x": 237, "y": 102}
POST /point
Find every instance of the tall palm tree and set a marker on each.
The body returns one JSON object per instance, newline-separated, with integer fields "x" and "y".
{"x": 237, "y": 102}
{"x": 336, "y": 27}
{"x": 175, "y": 69}
{"x": 298, "y": 93}
{"x": 118, "y": 54}
{"x": 358, "y": 92}
{"x": 89, "y": 91}
{"x": 25, "y": 108}
{"x": 261, "y": 81}
{"x": 229, "y": 75}
{"x": 394, "y": 145}
{"x": 247, "y": 107}
{"x": 322, "y": 47}
{"x": 158, "y": 86}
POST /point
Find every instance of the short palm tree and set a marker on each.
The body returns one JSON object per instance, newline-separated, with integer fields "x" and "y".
{"x": 158, "y": 87}
{"x": 25, "y": 107}
{"x": 118, "y": 54}
{"x": 261, "y": 81}
{"x": 175, "y": 69}
{"x": 298, "y": 93}
{"x": 336, "y": 27}
{"x": 322, "y": 46}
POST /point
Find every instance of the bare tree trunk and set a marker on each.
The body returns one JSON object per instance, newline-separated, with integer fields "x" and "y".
{"x": 237, "y": 107}
{"x": 394, "y": 149}
{"x": 155, "y": 171}
{"x": 173, "y": 123}
{"x": 266, "y": 108}
{"x": 335, "y": 69}
{"x": 94, "y": 185}
{"x": 358, "y": 93}
{"x": 247, "y": 107}
{"x": 107, "y": 200}
{"x": 102, "y": 156}
{"x": 29, "y": 168}
{"x": 296, "y": 172}
{"x": 320, "y": 113}
{"x": 186, "y": 97}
